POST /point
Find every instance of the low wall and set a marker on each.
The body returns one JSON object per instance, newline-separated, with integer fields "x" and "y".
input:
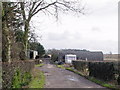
{"x": 9, "y": 69}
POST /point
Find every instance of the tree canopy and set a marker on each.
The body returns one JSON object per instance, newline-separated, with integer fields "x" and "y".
{"x": 16, "y": 18}
{"x": 37, "y": 47}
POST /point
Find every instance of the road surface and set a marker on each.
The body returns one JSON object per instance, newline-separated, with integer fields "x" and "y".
{"x": 60, "y": 78}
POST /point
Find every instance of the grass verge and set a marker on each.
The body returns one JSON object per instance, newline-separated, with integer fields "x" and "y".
{"x": 60, "y": 66}
{"x": 39, "y": 65}
{"x": 38, "y": 79}
{"x": 102, "y": 83}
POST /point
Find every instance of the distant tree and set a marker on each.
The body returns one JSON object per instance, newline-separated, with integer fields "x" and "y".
{"x": 41, "y": 50}
{"x": 38, "y": 47}
{"x": 110, "y": 52}
{"x": 54, "y": 54}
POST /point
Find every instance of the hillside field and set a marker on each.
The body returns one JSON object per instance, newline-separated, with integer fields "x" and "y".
{"x": 112, "y": 57}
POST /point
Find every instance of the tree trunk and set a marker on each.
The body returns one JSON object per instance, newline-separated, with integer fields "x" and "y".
{"x": 7, "y": 43}
{"x": 25, "y": 38}
{"x": 1, "y": 31}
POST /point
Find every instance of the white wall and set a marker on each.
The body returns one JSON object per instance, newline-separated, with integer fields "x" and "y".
{"x": 35, "y": 53}
{"x": 69, "y": 58}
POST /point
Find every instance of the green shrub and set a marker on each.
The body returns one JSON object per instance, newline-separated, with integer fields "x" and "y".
{"x": 20, "y": 79}
{"x": 54, "y": 57}
{"x": 118, "y": 80}
{"x": 26, "y": 78}
{"x": 16, "y": 80}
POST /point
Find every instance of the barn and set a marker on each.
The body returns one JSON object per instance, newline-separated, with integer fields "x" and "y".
{"x": 81, "y": 55}
{"x": 32, "y": 54}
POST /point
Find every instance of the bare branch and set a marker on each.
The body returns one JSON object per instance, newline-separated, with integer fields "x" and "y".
{"x": 23, "y": 10}
{"x": 43, "y": 8}
{"x": 49, "y": 12}
{"x": 69, "y": 6}
{"x": 37, "y": 6}
{"x": 33, "y": 5}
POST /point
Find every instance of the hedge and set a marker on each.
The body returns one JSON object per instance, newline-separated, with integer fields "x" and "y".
{"x": 81, "y": 66}
{"x": 102, "y": 70}
{"x": 9, "y": 71}
{"x": 106, "y": 71}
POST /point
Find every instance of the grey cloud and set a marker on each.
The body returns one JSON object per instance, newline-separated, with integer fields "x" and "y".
{"x": 96, "y": 29}
{"x": 66, "y": 35}
{"x": 92, "y": 32}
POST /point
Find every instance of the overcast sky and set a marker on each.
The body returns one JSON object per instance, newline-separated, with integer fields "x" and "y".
{"x": 95, "y": 31}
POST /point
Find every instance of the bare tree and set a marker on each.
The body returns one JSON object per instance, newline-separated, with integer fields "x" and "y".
{"x": 10, "y": 19}
{"x": 30, "y": 9}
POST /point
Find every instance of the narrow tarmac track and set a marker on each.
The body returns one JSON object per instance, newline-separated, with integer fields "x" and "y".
{"x": 60, "y": 78}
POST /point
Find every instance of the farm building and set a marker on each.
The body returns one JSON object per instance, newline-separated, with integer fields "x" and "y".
{"x": 32, "y": 54}
{"x": 69, "y": 58}
{"x": 81, "y": 55}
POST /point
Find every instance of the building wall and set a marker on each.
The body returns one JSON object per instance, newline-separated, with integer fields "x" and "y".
{"x": 33, "y": 53}
{"x": 69, "y": 58}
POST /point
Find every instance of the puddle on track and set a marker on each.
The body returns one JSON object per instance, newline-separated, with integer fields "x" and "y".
{"x": 47, "y": 74}
{"x": 49, "y": 66}
{"x": 72, "y": 78}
